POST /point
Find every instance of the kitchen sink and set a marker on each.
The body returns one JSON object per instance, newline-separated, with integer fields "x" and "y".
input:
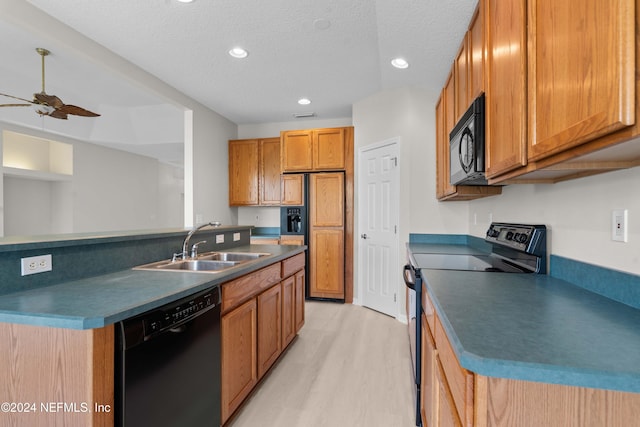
{"x": 232, "y": 256}
{"x": 210, "y": 262}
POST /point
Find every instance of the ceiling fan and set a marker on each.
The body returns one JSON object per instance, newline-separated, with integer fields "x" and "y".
{"x": 49, "y": 105}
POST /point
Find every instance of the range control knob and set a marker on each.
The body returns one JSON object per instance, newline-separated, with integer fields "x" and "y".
{"x": 509, "y": 235}
{"x": 522, "y": 238}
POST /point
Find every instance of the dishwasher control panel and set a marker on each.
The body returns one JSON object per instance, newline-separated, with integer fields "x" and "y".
{"x": 179, "y": 312}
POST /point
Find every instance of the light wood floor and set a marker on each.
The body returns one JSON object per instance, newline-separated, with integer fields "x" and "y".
{"x": 349, "y": 366}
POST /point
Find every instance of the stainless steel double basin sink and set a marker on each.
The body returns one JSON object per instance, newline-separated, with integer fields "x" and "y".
{"x": 210, "y": 262}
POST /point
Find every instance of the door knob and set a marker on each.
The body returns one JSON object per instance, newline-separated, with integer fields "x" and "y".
{"x": 364, "y": 236}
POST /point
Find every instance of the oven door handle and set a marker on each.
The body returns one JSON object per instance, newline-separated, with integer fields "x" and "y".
{"x": 409, "y": 277}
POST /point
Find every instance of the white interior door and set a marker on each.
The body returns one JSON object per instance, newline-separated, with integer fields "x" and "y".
{"x": 378, "y": 201}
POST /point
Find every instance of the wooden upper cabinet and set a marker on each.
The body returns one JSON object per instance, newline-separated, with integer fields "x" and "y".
{"x": 581, "y": 72}
{"x": 448, "y": 121}
{"x": 313, "y": 150}
{"x": 329, "y": 149}
{"x": 269, "y": 175}
{"x": 254, "y": 172}
{"x": 243, "y": 172}
{"x": 296, "y": 151}
{"x": 461, "y": 80}
{"x": 292, "y": 186}
{"x": 505, "y": 86}
{"x": 476, "y": 40}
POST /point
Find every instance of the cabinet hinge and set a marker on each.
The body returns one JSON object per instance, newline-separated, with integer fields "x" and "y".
{"x": 394, "y": 298}
{"x": 395, "y": 161}
{"x": 395, "y": 229}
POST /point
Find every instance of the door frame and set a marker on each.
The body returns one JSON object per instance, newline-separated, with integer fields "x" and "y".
{"x": 358, "y": 250}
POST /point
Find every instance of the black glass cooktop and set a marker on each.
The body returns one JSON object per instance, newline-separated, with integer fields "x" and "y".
{"x": 466, "y": 263}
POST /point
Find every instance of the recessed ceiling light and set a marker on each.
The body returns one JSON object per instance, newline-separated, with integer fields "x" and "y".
{"x": 304, "y": 101}
{"x": 238, "y": 52}
{"x": 399, "y": 63}
{"x": 185, "y": 1}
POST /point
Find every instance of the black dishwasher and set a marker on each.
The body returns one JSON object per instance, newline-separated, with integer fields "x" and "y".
{"x": 167, "y": 365}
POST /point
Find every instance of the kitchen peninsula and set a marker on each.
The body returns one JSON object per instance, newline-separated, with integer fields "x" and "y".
{"x": 59, "y": 326}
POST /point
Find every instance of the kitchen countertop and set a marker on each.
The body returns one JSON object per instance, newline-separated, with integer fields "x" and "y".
{"x": 534, "y": 327}
{"x": 102, "y": 300}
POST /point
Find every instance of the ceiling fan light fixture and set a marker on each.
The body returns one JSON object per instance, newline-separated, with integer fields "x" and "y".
{"x": 238, "y": 52}
{"x": 400, "y": 63}
{"x": 43, "y": 110}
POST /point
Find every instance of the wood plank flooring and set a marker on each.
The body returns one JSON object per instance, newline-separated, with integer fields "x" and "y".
{"x": 349, "y": 366}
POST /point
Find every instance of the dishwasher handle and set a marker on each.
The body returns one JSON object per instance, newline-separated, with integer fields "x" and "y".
{"x": 409, "y": 276}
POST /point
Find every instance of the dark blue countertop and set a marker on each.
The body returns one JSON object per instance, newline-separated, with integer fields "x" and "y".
{"x": 535, "y": 327}
{"x": 102, "y": 300}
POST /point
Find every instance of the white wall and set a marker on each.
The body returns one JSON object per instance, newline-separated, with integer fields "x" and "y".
{"x": 110, "y": 190}
{"x": 577, "y": 212}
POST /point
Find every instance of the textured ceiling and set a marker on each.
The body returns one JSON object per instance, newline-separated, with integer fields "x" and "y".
{"x": 186, "y": 46}
{"x": 293, "y": 53}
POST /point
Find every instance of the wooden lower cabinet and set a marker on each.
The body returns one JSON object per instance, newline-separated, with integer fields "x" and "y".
{"x": 269, "y": 328}
{"x": 299, "y": 299}
{"x": 239, "y": 355}
{"x": 261, "y": 316}
{"x": 446, "y": 409}
{"x": 429, "y": 389}
{"x": 288, "y": 310}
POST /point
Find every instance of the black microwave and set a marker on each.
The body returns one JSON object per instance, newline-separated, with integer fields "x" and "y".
{"x": 466, "y": 142}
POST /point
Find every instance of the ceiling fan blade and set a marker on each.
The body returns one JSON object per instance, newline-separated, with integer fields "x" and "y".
{"x": 15, "y": 97}
{"x": 76, "y": 111}
{"x": 15, "y": 105}
{"x": 58, "y": 114}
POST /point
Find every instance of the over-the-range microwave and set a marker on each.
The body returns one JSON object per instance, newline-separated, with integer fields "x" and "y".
{"x": 466, "y": 142}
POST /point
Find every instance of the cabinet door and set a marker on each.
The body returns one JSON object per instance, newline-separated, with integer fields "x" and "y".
{"x": 447, "y": 415}
{"x": 429, "y": 385}
{"x": 269, "y": 171}
{"x": 291, "y": 240}
{"x": 461, "y": 79}
{"x": 326, "y": 239}
{"x": 581, "y": 72}
{"x": 292, "y": 190}
{"x": 296, "y": 153}
{"x": 328, "y": 149}
{"x": 239, "y": 356}
{"x": 299, "y": 299}
{"x": 506, "y": 86}
{"x": 288, "y": 310}
{"x": 269, "y": 328}
{"x": 476, "y": 52}
{"x": 444, "y": 125}
{"x": 243, "y": 172}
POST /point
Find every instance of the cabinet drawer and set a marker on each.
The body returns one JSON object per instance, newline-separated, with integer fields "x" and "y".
{"x": 460, "y": 380}
{"x": 239, "y": 290}
{"x": 429, "y": 311}
{"x": 293, "y": 264}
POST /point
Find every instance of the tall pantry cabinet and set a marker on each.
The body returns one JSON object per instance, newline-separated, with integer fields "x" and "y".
{"x": 326, "y": 155}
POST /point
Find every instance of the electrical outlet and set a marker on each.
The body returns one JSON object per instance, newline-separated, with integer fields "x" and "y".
{"x": 619, "y": 225}
{"x": 35, "y": 264}
{"x": 219, "y": 238}
{"x": 236, "y": 237}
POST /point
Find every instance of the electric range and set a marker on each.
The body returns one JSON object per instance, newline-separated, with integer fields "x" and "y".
{"x": 515, "y": 248}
